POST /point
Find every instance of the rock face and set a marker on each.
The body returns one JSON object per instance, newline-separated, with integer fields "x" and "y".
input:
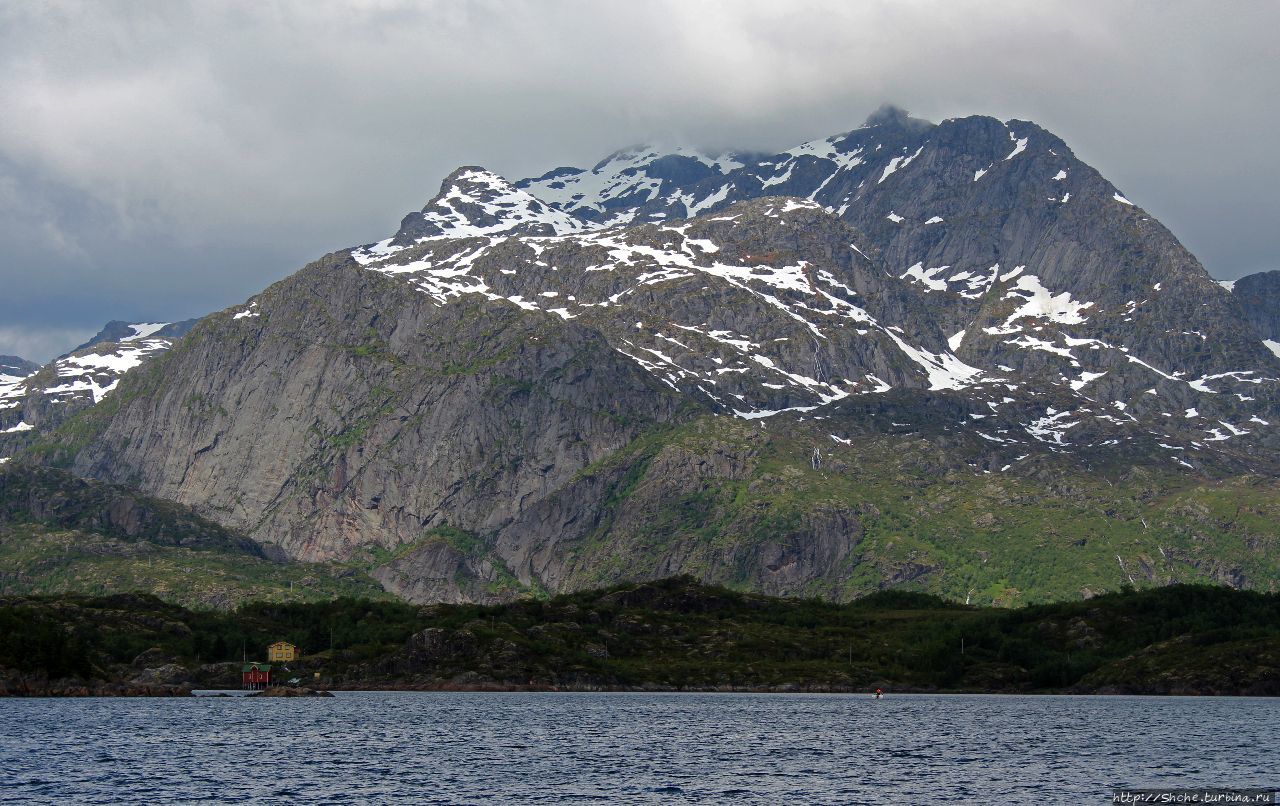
{"x": 345, "y": 409}
{"x": 736, "y": 367}
{"x": 1259, "y": 298}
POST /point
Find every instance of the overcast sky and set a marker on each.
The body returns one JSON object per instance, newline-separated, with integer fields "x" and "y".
{"x": 161, "y": 160}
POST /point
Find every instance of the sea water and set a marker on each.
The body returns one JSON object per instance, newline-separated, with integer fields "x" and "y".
{"x": 404, "y": 747}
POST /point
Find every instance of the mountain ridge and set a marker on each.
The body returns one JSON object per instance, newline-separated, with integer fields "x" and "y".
{"x": 507, "y": 394}
{"x": 38, "y": 398}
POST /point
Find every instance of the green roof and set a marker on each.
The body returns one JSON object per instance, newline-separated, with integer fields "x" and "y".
{"x": 261, "y": 667}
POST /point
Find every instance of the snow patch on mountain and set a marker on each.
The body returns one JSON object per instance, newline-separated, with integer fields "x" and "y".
{"x": 629, "y": 173}
{"x": 926, "y": 277}
{"x": 898, "y": 163}
{"x": 98, "y": 372}
{"x": 1039, "y": 302}
{"x": 364, "y": 255}
{"x": 142, "y": 330}
{"x": 815, "y": 300}
{"x": 11, "y": 391}
{"x": 479, "y": 194}
{"x": 1019, "y": 146}
{"x": 251, "y": 310}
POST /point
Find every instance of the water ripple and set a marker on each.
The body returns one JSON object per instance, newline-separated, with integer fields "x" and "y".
{"x": 387, "y": 747}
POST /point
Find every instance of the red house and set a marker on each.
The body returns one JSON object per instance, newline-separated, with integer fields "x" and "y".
{"x": 255, "y": 676}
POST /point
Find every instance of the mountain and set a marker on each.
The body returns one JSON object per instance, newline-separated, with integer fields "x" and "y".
{"x": 946, "y": 356}
{"x": 14, "y": 368}
{"x": 13, "y": 371}
{"x": 40, "y": 398}
{"x": 344, "y": 386}
{"x": 117, "y": 331}
{"x": 1259, "y": 297}
{"x": 1027, "y": 257}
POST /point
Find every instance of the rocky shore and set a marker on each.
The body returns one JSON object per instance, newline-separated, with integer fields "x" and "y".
{"x": 19, "y": 686}
{"x": 287, "y": 691}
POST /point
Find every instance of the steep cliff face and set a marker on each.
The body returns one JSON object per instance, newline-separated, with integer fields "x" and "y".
{"x": 882, "y": 492}
{"x": 342, "y": 409}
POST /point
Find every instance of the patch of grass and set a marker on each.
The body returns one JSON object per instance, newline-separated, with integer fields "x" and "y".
{"x": 991, "y": 538}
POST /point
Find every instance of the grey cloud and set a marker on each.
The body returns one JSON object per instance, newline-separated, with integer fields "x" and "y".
{"x": 42, "y": 344}
{"x": 167, "y": 159}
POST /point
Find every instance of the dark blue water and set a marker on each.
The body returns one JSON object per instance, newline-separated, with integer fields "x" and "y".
{"x": 630, "y": 748}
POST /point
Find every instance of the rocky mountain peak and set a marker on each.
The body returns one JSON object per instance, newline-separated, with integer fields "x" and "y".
{"x": 475, "y": 202}
{"x": 892, "y": 116}
{"x": 120, "y": 331}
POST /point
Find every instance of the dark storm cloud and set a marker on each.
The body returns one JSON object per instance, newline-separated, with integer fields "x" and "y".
{"x": 160, "y": 160}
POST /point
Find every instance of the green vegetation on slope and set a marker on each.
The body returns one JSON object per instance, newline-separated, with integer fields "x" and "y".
{"x": 906, "y": 512}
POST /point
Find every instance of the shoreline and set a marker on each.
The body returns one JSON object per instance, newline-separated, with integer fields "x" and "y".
{"x": 110, "y": 691}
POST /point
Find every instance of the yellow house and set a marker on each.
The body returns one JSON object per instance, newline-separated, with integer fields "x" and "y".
{"x": 282, "y": 652}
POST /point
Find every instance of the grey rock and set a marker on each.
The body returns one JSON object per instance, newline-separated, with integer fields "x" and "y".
{"x": 1259, "y": 297}
{"x": 366, "y": 415}
{"x": 16, "y": 367}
